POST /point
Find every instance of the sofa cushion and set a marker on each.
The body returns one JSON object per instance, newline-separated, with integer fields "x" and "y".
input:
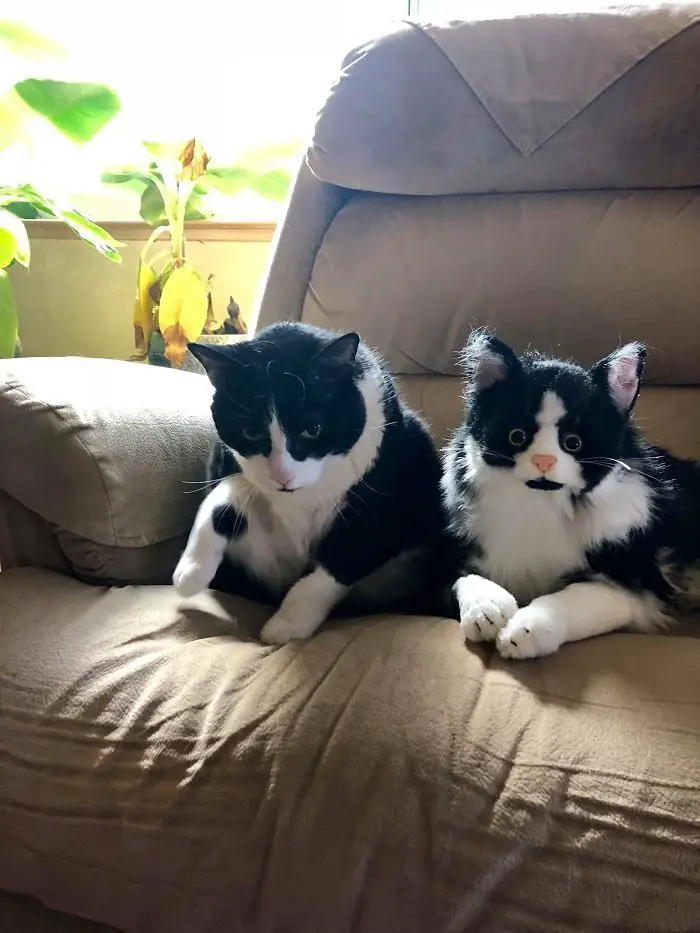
{"x": 111, "y": 454}
{"x": 162, "y": 771}
{"x": 568, "y": 273}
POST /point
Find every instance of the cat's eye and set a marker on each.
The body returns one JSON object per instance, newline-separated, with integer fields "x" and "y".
{"x": 253, "y": 434}
{"x": 311, "y": 431}
{"x": 572, "y": 443}
{"x": 517, "y": 437}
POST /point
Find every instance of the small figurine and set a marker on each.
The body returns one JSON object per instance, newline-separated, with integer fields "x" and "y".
{"x": 233, "y": 324}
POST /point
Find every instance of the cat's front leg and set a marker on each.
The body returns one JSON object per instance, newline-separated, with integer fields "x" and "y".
{"x": 484, "y": 607}
{"x": 217, "y": 522}
{"x": 356, "y": 544}
{"x": 304, "y": 608}
{"x": 579, "y": 611}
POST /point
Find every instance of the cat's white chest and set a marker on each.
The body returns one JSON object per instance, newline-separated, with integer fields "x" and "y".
{"x": 278, "y": 541}
{"x": 528, "y": 541}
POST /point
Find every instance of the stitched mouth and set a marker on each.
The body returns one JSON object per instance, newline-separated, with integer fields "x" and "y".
{"x": 546, "y": 485}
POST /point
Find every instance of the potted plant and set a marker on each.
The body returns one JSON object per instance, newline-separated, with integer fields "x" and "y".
{"x": 78, "y": 111}
{"x": 173, "y": 303}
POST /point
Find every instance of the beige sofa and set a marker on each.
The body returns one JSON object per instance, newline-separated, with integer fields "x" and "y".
{"x": 161, "y": 771}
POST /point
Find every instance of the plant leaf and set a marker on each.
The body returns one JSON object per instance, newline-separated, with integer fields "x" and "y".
{"x": 132, "y": 178}
{"x": 79, "y": 111}
{"x": 8, "y": 317}
{"x": 14, "y": 242}
{"x": 90, "y": 233}
{"x": 153, "y": 210}
{"x": 86, "y": 229}
{"x": 166, "y": 160}
{"x": 21, "y": 40}
{"x": 228, "y": 180}
{"x": 272, "y": 185}
{"x": 152, "y": 207}
{"x": 23, "y": 209}
{"x": 23, "y": 194}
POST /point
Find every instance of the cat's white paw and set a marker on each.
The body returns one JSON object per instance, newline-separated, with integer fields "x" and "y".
{"x": 191, "y": 577}
{"x": 279, "y": 630}
{"x": 484, "y": 607}
{"x": 532, "y": 633}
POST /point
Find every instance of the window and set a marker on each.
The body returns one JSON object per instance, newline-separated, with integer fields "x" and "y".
{"x": 249, "y": 73}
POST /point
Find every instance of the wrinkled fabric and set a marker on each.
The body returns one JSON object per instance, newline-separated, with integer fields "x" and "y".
{"x": 162, "y": 771}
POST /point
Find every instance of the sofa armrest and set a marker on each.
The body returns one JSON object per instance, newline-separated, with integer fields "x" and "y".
{"x": 105, "y": 455}
{"x": 26, "y": 539}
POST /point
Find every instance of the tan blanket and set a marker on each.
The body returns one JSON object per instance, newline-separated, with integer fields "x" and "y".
{"x": 535, "y": 72}
{"x": 601, "y": 98}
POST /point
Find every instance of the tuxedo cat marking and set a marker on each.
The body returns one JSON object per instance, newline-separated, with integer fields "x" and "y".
{"x": 325, "y": 487}
{"x": 571, "y": 525}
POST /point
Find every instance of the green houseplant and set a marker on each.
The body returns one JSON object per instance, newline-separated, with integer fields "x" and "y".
{"x": 76, "y": 110}
{"x": 173, "y": 299}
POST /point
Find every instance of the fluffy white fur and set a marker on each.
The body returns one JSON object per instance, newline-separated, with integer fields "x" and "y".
{"x": 282, "y": 526}
{"x": 532, "y": 539}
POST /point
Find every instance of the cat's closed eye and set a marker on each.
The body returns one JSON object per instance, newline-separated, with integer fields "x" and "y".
{"x": 572, "y": 443}
{"x": 311, "y": 431}
{"x": 252, "y": 433}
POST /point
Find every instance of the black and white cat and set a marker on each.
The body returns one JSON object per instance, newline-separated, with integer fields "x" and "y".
{"x": 571, "y": 524}
{"x": 328, "y": 486}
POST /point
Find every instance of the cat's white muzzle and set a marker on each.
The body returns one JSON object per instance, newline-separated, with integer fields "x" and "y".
{"x": 280, "y": 472}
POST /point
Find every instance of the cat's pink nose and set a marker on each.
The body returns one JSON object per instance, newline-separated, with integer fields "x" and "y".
{"x": 544, "y": 462}
{"x": 279, "y": 470}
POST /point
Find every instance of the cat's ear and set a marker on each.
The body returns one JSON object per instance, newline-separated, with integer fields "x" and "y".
{"x": 214, "y": 360}
{"x": 486, "y": 360}
{"x": 620, "y": 375}
{"x": 338, "y": 356}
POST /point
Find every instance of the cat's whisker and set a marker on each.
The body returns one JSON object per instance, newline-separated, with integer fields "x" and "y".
{"x": 204, "y": 484}
{"x": 303, "y": 384}
{"x": 353, "y": 492}
{"x": 606, "y": 461}
{"x": 390, "y": 495}
{"x": 232, "y": 398}
{"x": 495, "y": 453}
{"x": 207, "y": 487}
{"x": 242, "y": 513}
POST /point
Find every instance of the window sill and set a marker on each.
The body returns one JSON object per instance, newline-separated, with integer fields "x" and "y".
{"x": 128, "y": 230}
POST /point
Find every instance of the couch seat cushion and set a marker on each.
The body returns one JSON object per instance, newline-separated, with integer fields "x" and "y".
{"x": 162, "y": 771}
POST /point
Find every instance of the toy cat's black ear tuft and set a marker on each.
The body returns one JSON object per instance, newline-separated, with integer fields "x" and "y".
{"x": 620, "y": 375}
{"x": 487, "y": 360}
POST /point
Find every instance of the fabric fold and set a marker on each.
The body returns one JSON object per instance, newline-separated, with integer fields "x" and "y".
{"x": 534, "y": 73}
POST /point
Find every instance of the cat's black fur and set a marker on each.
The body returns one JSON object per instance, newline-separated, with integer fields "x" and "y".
{"x": 394, "y": 507}
{"x": 655, "y": 556}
